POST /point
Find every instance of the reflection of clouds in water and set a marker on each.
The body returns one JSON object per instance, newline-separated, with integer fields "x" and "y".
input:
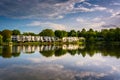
{"x": 92, "y": 74}
{"x": 44, "y": 59}
{"x": 46, "y": 72}
{"x": 96, "y": 60}
{"x": 54, "y": 72}
{"x": 42, "y": 68}
{"x": 109, "y": 66}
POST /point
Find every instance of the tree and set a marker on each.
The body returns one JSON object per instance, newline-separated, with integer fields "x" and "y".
{"x": 15, "y": 32}
{"x": 83, "y": 32}
{"x": 29, "y": 33}
{"x": 6, "y": 35}
{"x": 64, "y": 33}
{"x": 60, "y": 34}
{"x": 47, "y": 32}
{"x": 117, "y": 34}
{"x": 79, "y": 34}
{"x": 72, "y": 33}
{"x": 1, "y": 39}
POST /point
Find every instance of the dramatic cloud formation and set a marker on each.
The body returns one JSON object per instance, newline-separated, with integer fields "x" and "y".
{"x": 74, "y": 14}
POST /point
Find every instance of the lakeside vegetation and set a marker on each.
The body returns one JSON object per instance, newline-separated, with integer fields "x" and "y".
{"x": 91, "y": 36}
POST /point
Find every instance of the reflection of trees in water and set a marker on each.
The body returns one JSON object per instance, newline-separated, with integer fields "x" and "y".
{"x": 105, "y": 50}
{"x": 50, "y": 50}
{"x": 111, "y": 50}
{"x": 60, "y": 52}
{"x": 7, "y": 52}
{"x": 56, "y": 52}
{"x": 48, "y": 53}
{"x": 73, "y": 52}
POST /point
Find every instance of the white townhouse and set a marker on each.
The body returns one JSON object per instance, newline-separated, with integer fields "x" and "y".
{"x": 28, "y": 38}
{"x": 41, "y": 39}
{"x": 33, "y": 38}
{"x": 70, "y": 39}
{"x": 70, "y": 47}
{"x": 37, "y": 38}
{"x": 16, "y": 38}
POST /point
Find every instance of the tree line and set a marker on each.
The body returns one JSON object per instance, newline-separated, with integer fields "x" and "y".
{"x": 90, "y": 35}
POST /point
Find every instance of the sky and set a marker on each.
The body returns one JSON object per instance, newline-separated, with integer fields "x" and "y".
{"x": 36, "y": 15}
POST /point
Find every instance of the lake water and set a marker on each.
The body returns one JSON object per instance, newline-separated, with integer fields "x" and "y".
{"x": 66, "y": 62}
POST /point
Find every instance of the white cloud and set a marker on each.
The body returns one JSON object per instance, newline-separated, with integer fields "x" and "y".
{"x": 116, "y": 4}
{"x": 87, "y": 3}
{"x": 99, "y": 8}
{"x": 47, "y": 9}
{"x": 116, "y": 14}
{"x": 60, "y": 17}
{"x": 97, "y": 19}
{"x": 95, "y": 23}
{"x": 54, "y": 26}
{"x": 80, "y": 20}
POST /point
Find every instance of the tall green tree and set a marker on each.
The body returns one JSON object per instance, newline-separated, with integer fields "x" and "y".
{"x": 60, "y": 33}
{"x": 72, "y": 33}
{"x": 1, "y": 39}
{"x": 83, "y": 32}
{"x": 16, "y": 32}
{"x": 79, "y": 34}
{"x": 6, "y": 35}
{"x": 29, "y": 33}
{"x": 117, "y": 34}
{"x": 47, "y": 32}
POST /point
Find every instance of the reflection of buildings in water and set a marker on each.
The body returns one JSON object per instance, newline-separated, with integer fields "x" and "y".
{"x": 82, "y": 46}
{"x": 48, "y": 47}
{"x": 28, "y": 49}
{"x": 32, "y": 49}
{"x": 16, "y": 49}
{"x": 72, "y": 47}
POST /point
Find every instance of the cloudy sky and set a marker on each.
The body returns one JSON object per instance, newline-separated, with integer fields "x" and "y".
{"x": 36, "y": 15}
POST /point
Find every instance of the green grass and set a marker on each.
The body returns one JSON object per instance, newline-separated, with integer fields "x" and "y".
{"x": 40, "y": 43}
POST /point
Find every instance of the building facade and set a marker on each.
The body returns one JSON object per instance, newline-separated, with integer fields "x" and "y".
{"x": 23, "y": 38}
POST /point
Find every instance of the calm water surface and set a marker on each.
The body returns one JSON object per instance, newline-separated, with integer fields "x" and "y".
{"x": 66, "y": 62}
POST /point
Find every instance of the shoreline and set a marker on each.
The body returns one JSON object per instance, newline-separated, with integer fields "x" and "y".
{"x": 40, "y": 43}
{"x": 61, "y": 43}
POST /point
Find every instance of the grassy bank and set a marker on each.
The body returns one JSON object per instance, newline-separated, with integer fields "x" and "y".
{"x": 61, "y": 43}
{"x": 40, "y": 43}
{"x": 104, "y": 43}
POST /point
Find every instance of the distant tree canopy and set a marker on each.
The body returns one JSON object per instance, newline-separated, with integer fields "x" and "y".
{"x": 16, "y": 32}
{"x": 90, "y": 35}
{"x": 72, "y": 33}
{"x": 47, "y": 32}
{"x": 29, "y": 33}
{"x": 6, "y": 35}
{"x": 1, "y": 39}
{"x": 103, "y": 35}
{"x": 60, "y": 33}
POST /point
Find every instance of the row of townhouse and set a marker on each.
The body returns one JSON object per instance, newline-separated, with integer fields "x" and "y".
{"x": 72, "y": 39}
{"x": 22, "y": 38}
